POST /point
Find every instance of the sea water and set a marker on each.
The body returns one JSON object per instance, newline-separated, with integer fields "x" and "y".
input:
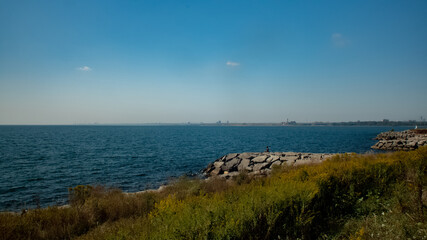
{"x": 39, "y": 163}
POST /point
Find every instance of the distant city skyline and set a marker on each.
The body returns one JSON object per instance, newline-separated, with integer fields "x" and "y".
{"x": 111, "y": 62}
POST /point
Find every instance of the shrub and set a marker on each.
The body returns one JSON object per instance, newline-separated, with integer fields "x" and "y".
{"x": 79, "y": 194}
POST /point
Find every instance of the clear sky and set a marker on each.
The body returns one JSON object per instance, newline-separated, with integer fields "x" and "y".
{"x": 86, "y": 61}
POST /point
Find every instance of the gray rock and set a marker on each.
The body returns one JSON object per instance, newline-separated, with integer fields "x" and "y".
{"x": 258, "y": 163}
{"x": 273, "y": 158}
{"x": 230, "y": 156}
{"x": 231, "y": 165}
{"x": 388, "y": 144}
{"x": 405, "y": 140}
{"x": 250, "y": 168}
{"x": 260, "y": 166}
{"x": 247, "y": 155}
{"x": 259, "y": 159}
{"x": 218, "y": 164}
{"x": 291, "y": 154}
{"x": 216, "y": 171}
{"x": 277, "y": 154}
{"x": 209, "y": 168}
{"x": 244, "y": 164}
{"x": 289, "y": 158}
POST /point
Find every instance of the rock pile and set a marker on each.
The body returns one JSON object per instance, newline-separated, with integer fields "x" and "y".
{"x": 259, "y": 163}
{"x": 405, "y": 140}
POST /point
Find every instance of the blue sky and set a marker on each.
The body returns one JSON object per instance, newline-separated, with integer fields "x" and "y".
{"x": 66, "y": 62}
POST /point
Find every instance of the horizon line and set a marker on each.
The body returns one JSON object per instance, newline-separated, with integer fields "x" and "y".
{"x": 218, "y": 123}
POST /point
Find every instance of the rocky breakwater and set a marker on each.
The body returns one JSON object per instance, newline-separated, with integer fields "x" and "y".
{"x": 405, "y": 140}
{"x": 259, "y": 163}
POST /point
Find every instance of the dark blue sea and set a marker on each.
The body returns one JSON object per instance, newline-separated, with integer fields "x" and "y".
{"x": 39, "y": 163}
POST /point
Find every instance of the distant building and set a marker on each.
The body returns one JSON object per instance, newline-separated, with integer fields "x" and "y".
{"x": 289, "y": 122}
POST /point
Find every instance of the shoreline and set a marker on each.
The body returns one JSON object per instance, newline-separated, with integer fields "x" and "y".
{"x": 262, "y": 163}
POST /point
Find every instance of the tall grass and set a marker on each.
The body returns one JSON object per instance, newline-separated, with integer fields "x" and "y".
{"x": 379, "y": 196}
{"x": 89, "y": 208}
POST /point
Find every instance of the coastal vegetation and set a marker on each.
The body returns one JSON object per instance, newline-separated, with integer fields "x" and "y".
{"x": 349, "y": 196}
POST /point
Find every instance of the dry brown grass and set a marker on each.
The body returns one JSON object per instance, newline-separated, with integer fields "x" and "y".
{"x": 89, "y": 207}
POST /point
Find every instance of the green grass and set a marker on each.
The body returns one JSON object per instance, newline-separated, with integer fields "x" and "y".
{"x": 377, "y": 196}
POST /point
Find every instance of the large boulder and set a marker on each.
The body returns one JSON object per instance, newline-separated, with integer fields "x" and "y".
{"x": 231, "y": 165}
{"x": 244, "y": 165}
{"x": 260, "y": 159}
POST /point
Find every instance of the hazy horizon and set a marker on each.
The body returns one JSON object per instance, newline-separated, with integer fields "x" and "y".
{"x": 223, "y": 123}
{"x": 130, "y": 62}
